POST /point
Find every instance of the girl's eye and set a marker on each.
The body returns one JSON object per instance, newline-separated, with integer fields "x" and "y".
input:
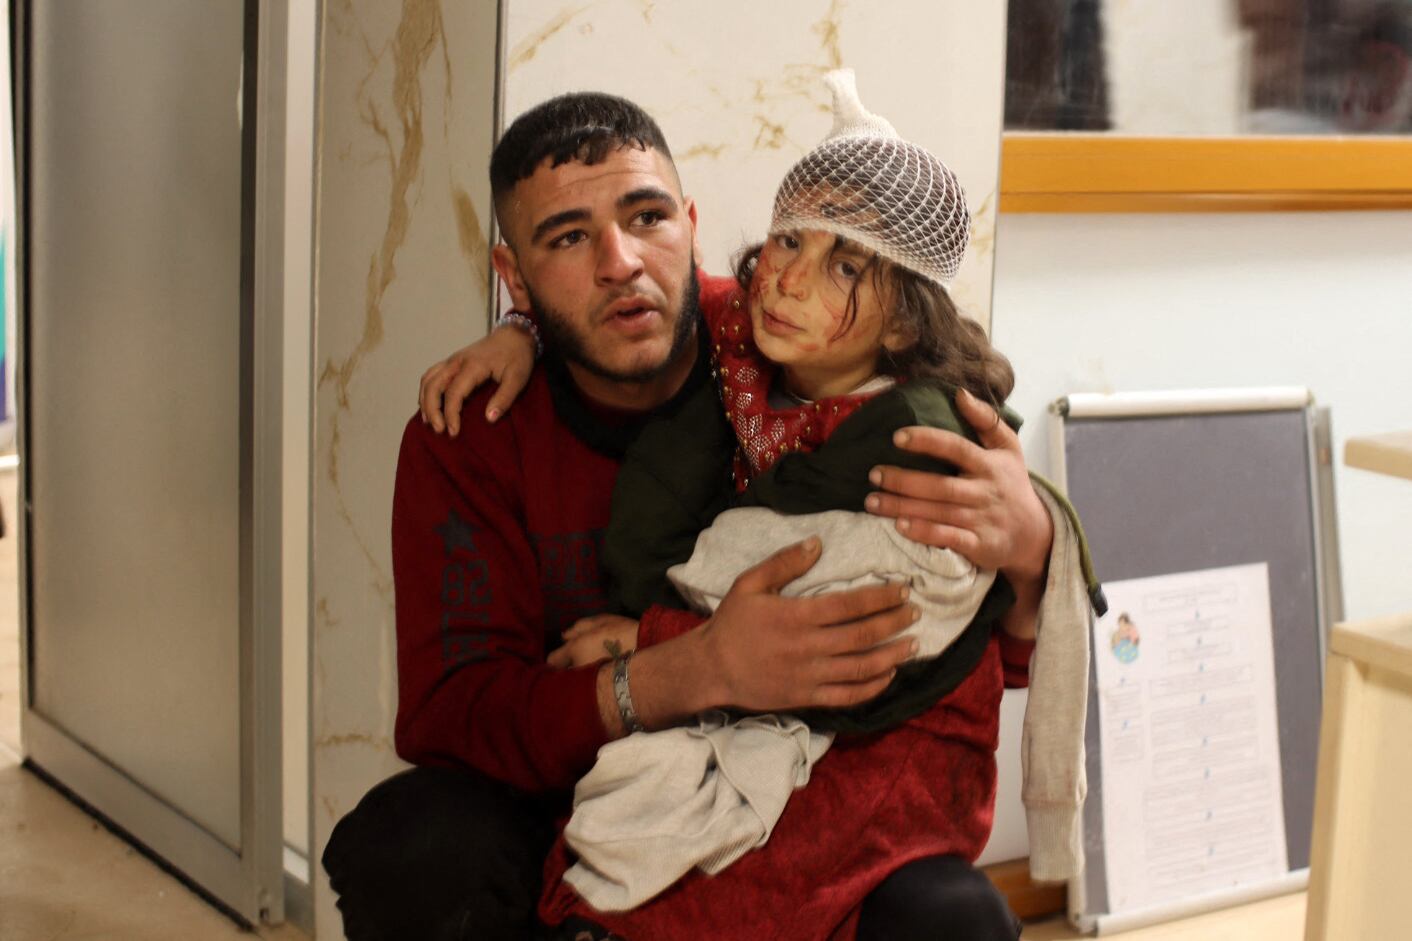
{"x": 786, "y": 241}
{"x": 847, "y": 269}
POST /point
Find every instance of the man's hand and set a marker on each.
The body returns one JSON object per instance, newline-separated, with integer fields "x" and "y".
{"x": 989, "y": 512}
{"x": 765, "y": 652}
{"x": 506, "y": 354}
{"x": 593, "y": 639}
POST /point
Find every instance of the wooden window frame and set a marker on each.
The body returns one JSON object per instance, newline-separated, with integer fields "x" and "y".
{"x": 1083, "y": 173}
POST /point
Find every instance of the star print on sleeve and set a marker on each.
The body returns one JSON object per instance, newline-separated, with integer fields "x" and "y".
{"x": 465, "y": 594}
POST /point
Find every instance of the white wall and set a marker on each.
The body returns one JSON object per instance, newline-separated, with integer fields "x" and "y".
{"x": 1105, "y": 303}
{"x": 1102, "y": 303}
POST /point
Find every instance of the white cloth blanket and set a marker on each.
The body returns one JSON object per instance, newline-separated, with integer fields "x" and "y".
{"x": 657, "y": 804}
{"x": 858, "y": 550}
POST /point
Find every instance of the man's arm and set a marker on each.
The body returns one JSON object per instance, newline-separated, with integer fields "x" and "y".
{"x": 989, "y": 512}
{"x": 762, "y": 652}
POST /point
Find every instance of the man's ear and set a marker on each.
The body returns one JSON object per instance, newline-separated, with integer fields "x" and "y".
{"x": 695, "y": 235}
{"x": 507, "y": 266}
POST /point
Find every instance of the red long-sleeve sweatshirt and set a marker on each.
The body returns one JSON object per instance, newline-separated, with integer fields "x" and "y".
{"x": 496, "y": 536}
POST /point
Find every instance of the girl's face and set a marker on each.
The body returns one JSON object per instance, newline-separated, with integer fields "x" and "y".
{"x": 798, "y": 303}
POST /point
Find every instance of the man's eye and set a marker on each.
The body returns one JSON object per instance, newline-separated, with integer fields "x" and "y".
{"x": 651, "y": 216}
{"x": 568, "y": 238}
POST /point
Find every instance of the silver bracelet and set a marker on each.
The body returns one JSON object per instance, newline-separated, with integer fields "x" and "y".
{"x": 623, "y": 695}
{"x": 514, "y": 318}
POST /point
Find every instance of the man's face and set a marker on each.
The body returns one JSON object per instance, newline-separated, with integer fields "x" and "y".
{"x": 604, "y": 254}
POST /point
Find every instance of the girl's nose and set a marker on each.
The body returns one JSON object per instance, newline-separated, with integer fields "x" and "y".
{"x": 793, "y": 278}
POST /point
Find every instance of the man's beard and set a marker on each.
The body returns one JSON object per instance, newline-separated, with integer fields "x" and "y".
{"x": 564, "y": 341}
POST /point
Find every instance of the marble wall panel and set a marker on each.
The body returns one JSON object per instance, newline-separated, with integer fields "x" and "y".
{"x": 736, "y": 86}
{"x": 406, "y": 116}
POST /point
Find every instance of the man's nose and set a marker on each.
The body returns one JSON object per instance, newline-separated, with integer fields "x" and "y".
{"x": 618, "y": 259}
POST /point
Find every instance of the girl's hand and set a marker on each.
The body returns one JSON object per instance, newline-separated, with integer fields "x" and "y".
{"x": 506, "y": 354}
{"x": 594, "y": 639}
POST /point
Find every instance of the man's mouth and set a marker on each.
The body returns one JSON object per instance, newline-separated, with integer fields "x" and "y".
{"x": 632, "y": 312}
{"x": 630, "y": 306}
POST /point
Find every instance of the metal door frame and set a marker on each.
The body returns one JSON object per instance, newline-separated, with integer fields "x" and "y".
{"x": 248, "y": 883}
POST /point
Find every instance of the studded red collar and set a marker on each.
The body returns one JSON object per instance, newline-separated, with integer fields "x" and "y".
{"x": 764, "y": 433}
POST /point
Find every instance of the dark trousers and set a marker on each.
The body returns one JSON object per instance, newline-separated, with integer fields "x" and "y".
{"x": 448, "y": 855}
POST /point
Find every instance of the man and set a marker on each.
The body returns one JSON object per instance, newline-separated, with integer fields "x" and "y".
{"x": 495, "y": 552}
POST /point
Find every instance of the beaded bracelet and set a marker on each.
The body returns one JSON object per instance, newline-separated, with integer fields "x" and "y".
{"x": 514, "y": 318}
{"x": 631, "y": 722}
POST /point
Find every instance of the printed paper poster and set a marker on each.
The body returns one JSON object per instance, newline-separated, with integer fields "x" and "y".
{"x": 1192, "y": 796}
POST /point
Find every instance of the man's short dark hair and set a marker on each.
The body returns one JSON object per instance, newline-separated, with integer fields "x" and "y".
{"x": 582, "y": 126}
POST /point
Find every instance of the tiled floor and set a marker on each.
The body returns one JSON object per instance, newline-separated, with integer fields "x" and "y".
{"x": 1277, "y": 919}
{"x": 64, "y": 878}
{"x": 9, "y": 620}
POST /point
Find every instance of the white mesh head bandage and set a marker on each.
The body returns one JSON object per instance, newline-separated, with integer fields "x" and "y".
{"x": 867, "y": 184}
